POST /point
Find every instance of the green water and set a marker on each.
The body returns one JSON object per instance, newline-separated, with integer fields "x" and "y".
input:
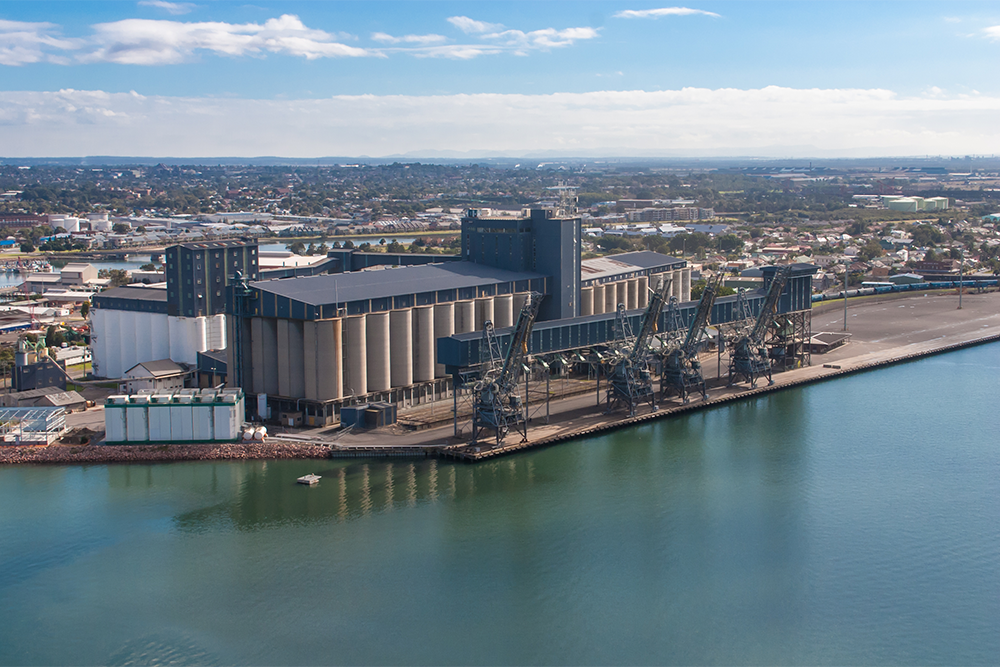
{"x": 850, "y": 522}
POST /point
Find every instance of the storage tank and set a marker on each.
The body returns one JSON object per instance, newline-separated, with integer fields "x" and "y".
{"x": 136, "y": 419}
{"x": 159, "y": 418}
{"x": 114, "y": 419}
{"x": 181, "y": 419}
{"x": 203, "y": 417}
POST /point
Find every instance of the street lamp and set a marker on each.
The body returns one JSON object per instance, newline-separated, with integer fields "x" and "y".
{"x": 961, "y": 274}
{"x": 847, "y": 272}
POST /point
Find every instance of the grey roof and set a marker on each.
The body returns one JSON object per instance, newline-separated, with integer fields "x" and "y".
{"x": 393, "y": 281}
{"x": 135, "y": 292}
{"x": 626, "y": 262}
{"x": 647, "y": 259}
{"x": 160, "y": 368}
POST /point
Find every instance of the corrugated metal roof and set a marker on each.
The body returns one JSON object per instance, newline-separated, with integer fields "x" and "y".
{"x": 391, "y": 281}
{"x": 132, "y": 292}
{"x": 626, "y": 262}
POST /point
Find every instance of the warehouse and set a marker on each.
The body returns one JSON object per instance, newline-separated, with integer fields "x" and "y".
{"x": 313, "y": 343}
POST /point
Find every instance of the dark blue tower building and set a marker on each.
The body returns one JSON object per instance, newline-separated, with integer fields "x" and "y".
{"x": 541, "y": 243}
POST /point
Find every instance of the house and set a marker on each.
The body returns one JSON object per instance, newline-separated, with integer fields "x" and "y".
{"x": 159, "y": 376}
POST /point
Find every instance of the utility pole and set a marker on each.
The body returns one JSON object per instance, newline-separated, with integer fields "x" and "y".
{"x": 961, "y": 274}
{"x": 847, "y": 271}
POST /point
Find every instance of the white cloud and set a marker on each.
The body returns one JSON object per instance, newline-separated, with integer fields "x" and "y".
{"x": 692, "y": 121}
{"x": 993, "y": 32}
{"x": 408, "y": 39}
{"x": 175, "y": 8}
{"x": 542, "y": 39}
{"x": 662, "y": 11}
{"x": 153, "y": 42}
{"x": 22, "y": 43}
{"x": 471, "y": 26}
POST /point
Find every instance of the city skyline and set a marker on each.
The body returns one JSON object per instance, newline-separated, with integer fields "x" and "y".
{"x": 306, "y": 79}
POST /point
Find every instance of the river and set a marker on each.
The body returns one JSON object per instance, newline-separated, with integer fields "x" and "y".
{"x": 855, "y": 521}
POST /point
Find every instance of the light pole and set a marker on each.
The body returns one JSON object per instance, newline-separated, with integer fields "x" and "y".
{"x": 847, "y": 272}
{"x": 961, "y": 274}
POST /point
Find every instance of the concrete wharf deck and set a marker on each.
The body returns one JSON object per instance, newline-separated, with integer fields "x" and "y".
{"x": 885, "y": 330}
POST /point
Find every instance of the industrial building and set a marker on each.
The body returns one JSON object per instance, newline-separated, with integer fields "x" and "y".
{"x": 314, "y": 343}
{"x": 135, "y": 324}
{"x": 188, "y": 415}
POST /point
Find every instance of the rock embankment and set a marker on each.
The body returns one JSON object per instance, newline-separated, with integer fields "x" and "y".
{"x": 62, "y": 454}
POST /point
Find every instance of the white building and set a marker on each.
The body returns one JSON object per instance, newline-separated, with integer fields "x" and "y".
{"x": 130, "y": 325}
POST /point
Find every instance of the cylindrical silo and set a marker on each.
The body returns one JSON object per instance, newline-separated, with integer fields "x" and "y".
{"x": 621, "y": 288}
{"x": 356, "y": 356}
{"x": 643, "y": 291}
{"x": 423, "y": 343}
{"x": 518, "y": 303}
{"x": 632, "y": 293}
{"x": 379, "y": 377}
{"x": 610, "y": 298}
{"x": 685, "y": 284}
{"x": 465, "y": 316}
{"x": 444, "y": 326}
{"x": 484, "y": 312}
{"x": 401, "y": 347}
{"x": 677, "y": 288}
{"x": 329, "y": 359}
{"x": 598, "y": 299}
{"x": 503, "y": 311}
{"x": 587, "y": 301}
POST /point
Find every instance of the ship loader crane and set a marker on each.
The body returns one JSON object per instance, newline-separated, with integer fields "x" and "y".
{"x": 497, "y": 405}
{"x": 629, "y": 380}
{"x": 681, "y": 370}
{"x": 749, "y": 359}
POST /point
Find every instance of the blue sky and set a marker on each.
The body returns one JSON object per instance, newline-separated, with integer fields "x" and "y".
{"x": 578, "y": 78}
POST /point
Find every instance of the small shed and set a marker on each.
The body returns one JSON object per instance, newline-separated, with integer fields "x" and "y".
{"x": 159, "y": 376}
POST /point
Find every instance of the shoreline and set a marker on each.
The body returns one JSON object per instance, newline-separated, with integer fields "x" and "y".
{"x": 884, "y": 333}
{"x": 274, "y": 451}
{"x": 126, "y": 454}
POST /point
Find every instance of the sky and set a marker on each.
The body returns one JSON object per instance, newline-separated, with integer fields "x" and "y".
{"x": 476, "y": 79}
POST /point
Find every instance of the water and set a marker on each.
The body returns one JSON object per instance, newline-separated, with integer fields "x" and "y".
{"x": 850, "y": 522}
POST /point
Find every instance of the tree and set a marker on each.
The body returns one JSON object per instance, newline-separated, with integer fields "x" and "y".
{"x": 85, "y": 309}
{"x": 926, "y": 235}
{"x": 871, "y": 250}
{"x": 298, "y": 248}
{"x": 348, "y": 243}
{"x": 120, "y": 228}
{"x": 148, "y": 267}
{"x": 27, "y": 247}
{"x": 930, "y": 256}
{"x": 118, "y": 277}
{"x": 395, "y": 246}
{"x": 54, "y": 337}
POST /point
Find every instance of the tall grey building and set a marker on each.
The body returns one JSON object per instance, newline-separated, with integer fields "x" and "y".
{"x": 199, "y": 273}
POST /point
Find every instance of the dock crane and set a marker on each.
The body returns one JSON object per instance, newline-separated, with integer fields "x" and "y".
{"x": 749, "y": 358}
{"x": 497, "y": 405}
{"x": 681, "y": 370}
{"x": 629, "y": 380}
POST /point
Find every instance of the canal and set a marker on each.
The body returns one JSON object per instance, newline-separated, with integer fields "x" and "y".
{"x": 853, "y": 521}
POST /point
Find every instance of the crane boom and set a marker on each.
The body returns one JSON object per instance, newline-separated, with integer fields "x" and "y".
{"x": 497, "y": 406}
{"x": 680, "y": 369}
{"x": 770, "y": 305}
{"x": 650, "y": 317}
{"x": 749, "y": 357}
{"x": 701, "y": 315}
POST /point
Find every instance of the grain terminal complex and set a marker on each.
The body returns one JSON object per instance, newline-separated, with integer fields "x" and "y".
{"x": 372, "y": 335}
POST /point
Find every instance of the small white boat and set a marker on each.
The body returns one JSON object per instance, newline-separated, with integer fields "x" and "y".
{"x": 309, "y": 479}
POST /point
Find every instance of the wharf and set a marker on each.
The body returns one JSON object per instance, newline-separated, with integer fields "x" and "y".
{"x": 884, "y": 331}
